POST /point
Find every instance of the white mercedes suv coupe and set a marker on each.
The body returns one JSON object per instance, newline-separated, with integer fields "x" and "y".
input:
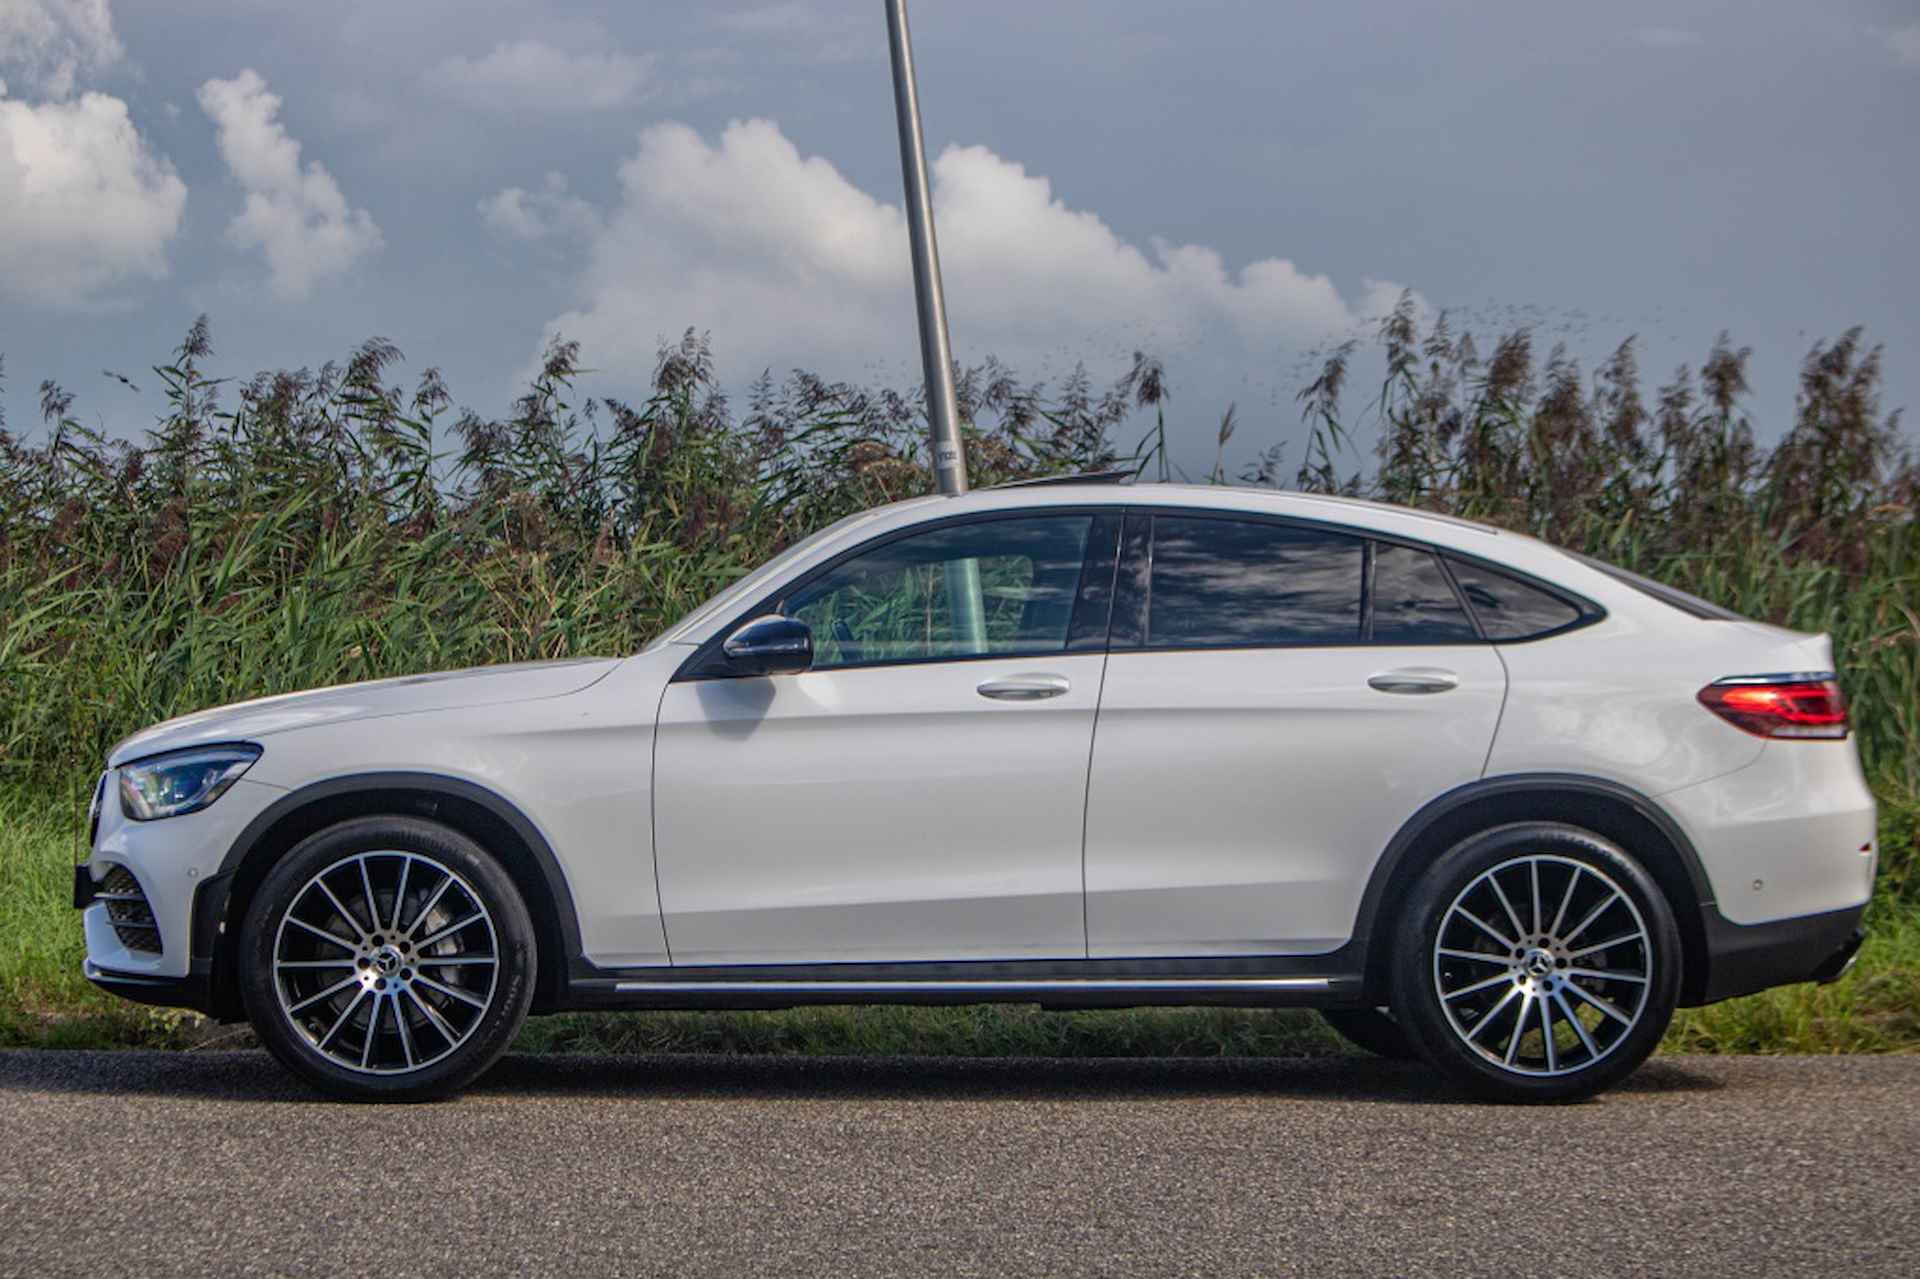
{"x": 1476, "y": 798}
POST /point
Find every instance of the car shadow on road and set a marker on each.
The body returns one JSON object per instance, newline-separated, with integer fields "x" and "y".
{"x": 256, "y": 1077}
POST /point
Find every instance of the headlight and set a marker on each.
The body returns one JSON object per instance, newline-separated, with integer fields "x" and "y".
{"x": 182, "y": 782}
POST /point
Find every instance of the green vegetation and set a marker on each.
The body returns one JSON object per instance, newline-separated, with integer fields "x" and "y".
{"x": 304, "y": 528}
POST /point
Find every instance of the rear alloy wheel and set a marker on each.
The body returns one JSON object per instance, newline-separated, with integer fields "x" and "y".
{"x": 388, "y": 958}
{"x": 1544, "y": 963}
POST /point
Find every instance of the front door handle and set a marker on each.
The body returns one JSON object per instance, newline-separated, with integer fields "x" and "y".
{"x": 1415, "y": 679}
{"x": 1025, "y": 688}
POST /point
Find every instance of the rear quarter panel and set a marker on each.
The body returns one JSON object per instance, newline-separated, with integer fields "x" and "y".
{"x": 1617, "y": 700}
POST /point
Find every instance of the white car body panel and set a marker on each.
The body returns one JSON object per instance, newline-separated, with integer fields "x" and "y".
{"x": 793, "y": 824}
{"x": 1787, "y": 835}
{"x": 1237, "y": 801}
{"x": 376, "y": 699}
{"x": 1240, "y": 798}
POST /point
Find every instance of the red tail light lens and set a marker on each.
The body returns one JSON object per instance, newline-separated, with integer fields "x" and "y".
{"x": 1779, "y": 706}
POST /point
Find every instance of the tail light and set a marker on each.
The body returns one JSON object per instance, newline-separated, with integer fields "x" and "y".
{"x": 1805, "y": 706}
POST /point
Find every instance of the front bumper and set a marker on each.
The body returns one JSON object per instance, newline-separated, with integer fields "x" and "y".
{"x": 1742, "y": 959}
{"x": 175, "y": 863}
{"x": 194, "y": 991}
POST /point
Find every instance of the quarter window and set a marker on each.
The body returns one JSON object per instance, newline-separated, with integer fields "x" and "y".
{"x": 1229, "y": 583}
{"x": 1413, "y": 603}
{"x": 908, "y": 599}
{"x": 1508, "y": 608}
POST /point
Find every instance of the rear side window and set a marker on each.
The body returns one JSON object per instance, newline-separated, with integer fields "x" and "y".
{"x": 1413, "y": 603}
{"x": 1232, "y": 583}
{"x": 1508, "y": 608}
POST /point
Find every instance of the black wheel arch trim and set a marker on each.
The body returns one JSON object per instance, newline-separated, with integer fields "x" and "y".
{"x": 212, "y": 897}
{"x": 1374, "y": 900}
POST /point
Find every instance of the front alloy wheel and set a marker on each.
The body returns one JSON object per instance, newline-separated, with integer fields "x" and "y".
{"x": 1548, "y": 963}
{"x": 392, "y": 957}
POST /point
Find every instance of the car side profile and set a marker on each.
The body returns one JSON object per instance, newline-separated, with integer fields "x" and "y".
{"x": 1076, "y": 744}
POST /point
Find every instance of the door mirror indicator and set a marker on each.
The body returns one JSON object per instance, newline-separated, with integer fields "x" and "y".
{"x": 772, "y": 645}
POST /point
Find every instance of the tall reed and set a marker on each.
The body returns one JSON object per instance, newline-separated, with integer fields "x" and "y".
{"x": 305, "y": 528}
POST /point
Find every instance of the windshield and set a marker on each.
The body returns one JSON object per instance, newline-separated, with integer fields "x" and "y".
{"x": 757, "y": 580}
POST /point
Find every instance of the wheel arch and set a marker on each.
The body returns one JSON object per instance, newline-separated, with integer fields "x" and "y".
{"x": 1607, "y": 808}
{"x": 473, "y": 810}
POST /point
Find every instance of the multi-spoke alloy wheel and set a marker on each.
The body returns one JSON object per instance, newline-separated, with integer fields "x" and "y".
{"x": 386, "y": 961}
{"x": 1546, "y": 964}
{"x": 1543, "y": 965}
{"x": 387, "y": 956}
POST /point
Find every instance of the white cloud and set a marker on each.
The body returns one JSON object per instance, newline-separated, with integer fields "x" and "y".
{"x": 297, "y": 217}
{"x": 51, "y": 42}
{"x": 526, "y": 74}
{"x": 787, "y": 262}
{"x": 1905, "y": 44}
{"x": 84, "y": 204}
{"x": 551, "y": 213}
{"x": 1667, "y": 38}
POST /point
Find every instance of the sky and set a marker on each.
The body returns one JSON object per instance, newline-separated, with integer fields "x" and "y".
{"x": 1229, "y": 184}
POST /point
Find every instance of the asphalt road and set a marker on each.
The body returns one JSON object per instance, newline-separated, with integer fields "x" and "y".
{"x": 151, "y": 1164}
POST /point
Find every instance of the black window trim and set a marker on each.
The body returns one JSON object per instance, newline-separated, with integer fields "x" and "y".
{"x": 702, "y": 664}
{"x": 708, "y": 663}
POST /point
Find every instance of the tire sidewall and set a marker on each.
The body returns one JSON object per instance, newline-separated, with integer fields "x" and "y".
{"x": 514, "y": 940}
{"x": 1417, "y": 1004}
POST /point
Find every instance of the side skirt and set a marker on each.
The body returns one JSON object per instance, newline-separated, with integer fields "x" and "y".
{"x": 663, "y": 992}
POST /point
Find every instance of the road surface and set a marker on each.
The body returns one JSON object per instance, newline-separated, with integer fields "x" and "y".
{"x": 153, "y": 1164}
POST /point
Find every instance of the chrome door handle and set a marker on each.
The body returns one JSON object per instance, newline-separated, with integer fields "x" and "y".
{"x": 1415, "y": 679}
{"x": 1025, "y": 688}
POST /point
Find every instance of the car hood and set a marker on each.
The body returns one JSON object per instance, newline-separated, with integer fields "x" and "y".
{"x": 406, "y": 695}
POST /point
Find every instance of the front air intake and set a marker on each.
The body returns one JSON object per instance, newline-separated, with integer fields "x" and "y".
{"x": 127, "y": 910}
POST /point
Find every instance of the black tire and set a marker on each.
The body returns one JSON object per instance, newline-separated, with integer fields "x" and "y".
{"x": 453, "y": 995}
{"x": 1506, "y": 923}
{"x": 1374, "y": 1029}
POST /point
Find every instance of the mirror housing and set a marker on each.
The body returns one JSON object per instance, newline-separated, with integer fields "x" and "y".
{"x": 771, "y": 645}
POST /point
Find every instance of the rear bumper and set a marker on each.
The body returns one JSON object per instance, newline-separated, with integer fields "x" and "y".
{"x": 1745, "y": 958}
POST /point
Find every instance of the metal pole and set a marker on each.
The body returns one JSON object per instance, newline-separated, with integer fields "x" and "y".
{"x": 964, "y": 596}
{"x": 936, "y": 354}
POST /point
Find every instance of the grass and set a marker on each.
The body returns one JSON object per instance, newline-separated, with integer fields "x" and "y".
{"x": 45, "y": 1003}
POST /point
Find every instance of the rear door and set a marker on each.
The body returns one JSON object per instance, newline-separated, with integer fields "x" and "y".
{"x": 1279, "y": 699}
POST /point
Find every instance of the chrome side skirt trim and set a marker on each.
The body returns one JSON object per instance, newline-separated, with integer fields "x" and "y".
{"x": 1091, "y": 985}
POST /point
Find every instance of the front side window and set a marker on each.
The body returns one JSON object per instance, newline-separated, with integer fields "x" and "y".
{"x": 912, "y": 598}
{"x": 1233, "y": 583}
{"x": 1413, "y": 603}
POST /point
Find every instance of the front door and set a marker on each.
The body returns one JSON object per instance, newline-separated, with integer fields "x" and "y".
{"x": 918, "y": 795}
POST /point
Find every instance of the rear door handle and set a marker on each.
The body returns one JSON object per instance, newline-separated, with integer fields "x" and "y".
{"x": 1024, "y": 688}
{"x": 1415, "y": 679}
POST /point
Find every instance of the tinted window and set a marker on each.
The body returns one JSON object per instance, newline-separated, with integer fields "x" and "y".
{"x": 1232, "y": 582}
{"x": 1509, "y": 608}
{"x": 896, "y": 602}
{"x": 1413, "y": 603}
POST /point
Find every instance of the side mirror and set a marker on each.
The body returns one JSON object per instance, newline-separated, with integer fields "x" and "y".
{"x": 770, "y": 646}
